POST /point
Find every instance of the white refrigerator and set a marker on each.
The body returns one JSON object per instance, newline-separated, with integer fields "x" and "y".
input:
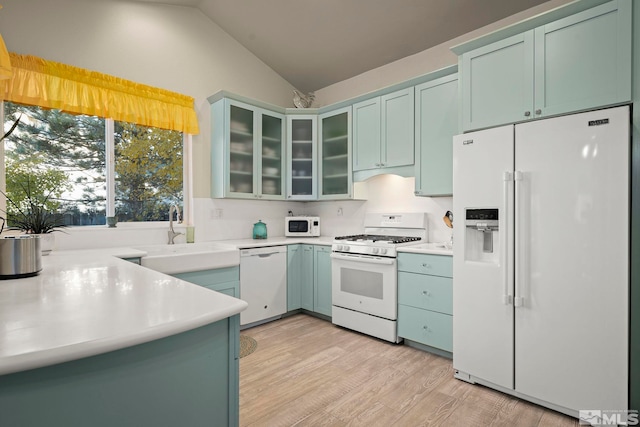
{"x": 541, "y": 260}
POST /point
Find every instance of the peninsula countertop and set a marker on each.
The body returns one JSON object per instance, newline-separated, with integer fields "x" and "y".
{"x": 84, "y": 305}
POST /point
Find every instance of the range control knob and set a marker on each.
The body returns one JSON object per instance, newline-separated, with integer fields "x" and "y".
{"x": 345, "y": 248}
{"x": 374, "y": 250}
{"x": 383, "y": 251}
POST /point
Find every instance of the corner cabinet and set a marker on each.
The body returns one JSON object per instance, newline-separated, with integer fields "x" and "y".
{"x": 425, "y": 300}
{"x": 248, "y": 155}
{"x": 309, "y": 278}
{"x": 334, "y": 152}
{"x": 383, "y": 131}
{"x": 576, "y": 63}
{"x": 302, "y": 142}
{"x": 436, "y": 124}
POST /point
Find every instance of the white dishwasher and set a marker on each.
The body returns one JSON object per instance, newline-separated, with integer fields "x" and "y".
{"x": 263, "y": 283}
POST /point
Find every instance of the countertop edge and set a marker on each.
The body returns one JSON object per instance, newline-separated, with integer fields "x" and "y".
{"x": 49, "y": 357}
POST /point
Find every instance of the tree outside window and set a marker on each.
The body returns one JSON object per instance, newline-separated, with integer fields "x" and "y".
{"x": 68, "y": 151}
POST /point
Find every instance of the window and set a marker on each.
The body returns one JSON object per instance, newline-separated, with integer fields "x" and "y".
{"x": 65, "y": 156}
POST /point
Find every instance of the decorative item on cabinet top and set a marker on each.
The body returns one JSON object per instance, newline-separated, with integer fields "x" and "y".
{"x": 303, "y": 101}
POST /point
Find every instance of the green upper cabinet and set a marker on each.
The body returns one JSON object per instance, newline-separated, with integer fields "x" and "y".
{"x": 366, "y": 134}
{"x": 301, "y": 148}
{"x": 575, "y": 63}
{"x": 247, "y": 151}
{"x": 436, "y": 124}
{"x": 383, "y": 131}
{"x": 335, "y": 176}
{"x": 497, "y": 83}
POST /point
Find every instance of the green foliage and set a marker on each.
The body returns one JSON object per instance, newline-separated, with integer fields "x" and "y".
{"x": 148, "y": 171}
{"x": 148, "y": 163}
{"x": 31, "y": 197}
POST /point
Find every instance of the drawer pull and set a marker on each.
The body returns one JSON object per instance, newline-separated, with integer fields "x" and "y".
{"x": 426, "y": 328}
{"x": 426, "y": 293}
{"x": 425, "y": 265}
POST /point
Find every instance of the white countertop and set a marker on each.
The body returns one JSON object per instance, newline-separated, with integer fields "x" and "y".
{"x": 83, "y": 304}
{"x": 276, "y": 241}
{"x": 427, "y": 248}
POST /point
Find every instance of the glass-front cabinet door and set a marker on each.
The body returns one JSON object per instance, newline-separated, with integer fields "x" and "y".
{"x": 335, "y": 177}
{"x": 248, "y": 151}
{"x": 242, "y": 144}
{"x": 302, "y": 139}
{"x": 272, "y": 158}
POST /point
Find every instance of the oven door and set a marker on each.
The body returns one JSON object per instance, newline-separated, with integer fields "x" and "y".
{"x": 364, "y": 283}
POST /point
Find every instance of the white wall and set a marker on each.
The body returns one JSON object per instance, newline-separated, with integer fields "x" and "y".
{"x": 386, "y": 194}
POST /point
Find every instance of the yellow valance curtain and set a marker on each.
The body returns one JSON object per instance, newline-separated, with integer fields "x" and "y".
{"x": 5, "y": 61}
{"x": 49, "y": 84}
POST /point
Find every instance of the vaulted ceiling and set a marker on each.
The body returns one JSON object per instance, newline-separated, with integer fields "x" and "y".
{"x": 315, "y": 43}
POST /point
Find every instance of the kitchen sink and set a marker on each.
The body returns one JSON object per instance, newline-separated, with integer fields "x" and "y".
{"x": 186, "y": 257}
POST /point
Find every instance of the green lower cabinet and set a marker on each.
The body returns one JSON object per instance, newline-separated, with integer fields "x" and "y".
{"x": 425, "y": 300}
{"x": 180, "y": 380}
{"x": 426, "y": 327}
{"x": 309, "y": 278}
{"x": 226, "y": 281}
{"x": 294, "y": 277}
{"x": 322, "y": 280}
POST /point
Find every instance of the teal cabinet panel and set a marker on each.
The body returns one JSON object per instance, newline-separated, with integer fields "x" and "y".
{"x": 426, "y": 327}
{"x": 211, "y": 278}
{"x": 135, "y": 260}
{"x": 294, "y": 277}
{"x": 427, "y": 292}
{"x": 335, "y": 165}
{"x": 181, "y": 380}
{"x": 322, "y": 280}
{"x": 307, "y": 278}
{"x": 576, "y": 63}
{"x": 497, "y": 83}
{"x": 437, "y": 265}
{"x": 366, "y": 134}
{"x": 584, "y": 60}
{"x": 436, "y": 119}
{"x": 397, "y": 129}
{"x": 302, "y": 173}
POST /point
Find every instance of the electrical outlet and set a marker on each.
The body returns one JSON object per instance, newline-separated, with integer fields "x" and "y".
{"x": 339, "y": 211}
{"x": 216, "y": 213}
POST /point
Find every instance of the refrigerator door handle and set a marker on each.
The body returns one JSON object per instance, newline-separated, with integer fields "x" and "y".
{"x": 507, "y": 298}
{"x": 518, "y": 299}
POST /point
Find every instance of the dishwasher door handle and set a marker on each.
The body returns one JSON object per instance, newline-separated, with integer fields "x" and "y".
{"x": 267, "y": 255}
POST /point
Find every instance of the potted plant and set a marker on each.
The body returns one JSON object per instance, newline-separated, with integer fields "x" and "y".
{"x": 31, "y": 203}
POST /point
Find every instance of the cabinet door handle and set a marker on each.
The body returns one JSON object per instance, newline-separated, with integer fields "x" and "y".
{"x": 527, "y": 113}
{"x": 425, "y": 265}
{"x": 538, "y": 111}
{"x": 426, "y": 293}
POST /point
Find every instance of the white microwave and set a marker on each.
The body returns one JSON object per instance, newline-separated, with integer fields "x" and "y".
{"x": 305, "y": 226}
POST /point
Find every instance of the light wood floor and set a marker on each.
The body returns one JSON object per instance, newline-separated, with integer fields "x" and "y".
{"x": 309, "y": 372}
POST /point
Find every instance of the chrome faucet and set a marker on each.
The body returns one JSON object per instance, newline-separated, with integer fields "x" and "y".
{"x": 172, "y": 234}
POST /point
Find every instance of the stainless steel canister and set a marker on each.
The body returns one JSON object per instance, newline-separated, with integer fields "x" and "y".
{"x": 20, "y": 256}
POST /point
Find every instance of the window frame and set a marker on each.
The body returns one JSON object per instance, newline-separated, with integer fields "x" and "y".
{"x": 187, "y": 180}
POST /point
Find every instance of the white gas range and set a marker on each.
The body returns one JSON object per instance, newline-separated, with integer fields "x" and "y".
{"x": 364, "y": 272}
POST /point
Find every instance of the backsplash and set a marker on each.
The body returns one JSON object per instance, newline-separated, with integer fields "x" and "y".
{"x": 385, "y": 193}
{"x": 224, "y": 219}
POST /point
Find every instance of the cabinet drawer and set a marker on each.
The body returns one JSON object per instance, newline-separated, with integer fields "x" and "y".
{"x": 427, "y": 292}
{"x": 437, "y": 265}
{"x": 426, "y": 327}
